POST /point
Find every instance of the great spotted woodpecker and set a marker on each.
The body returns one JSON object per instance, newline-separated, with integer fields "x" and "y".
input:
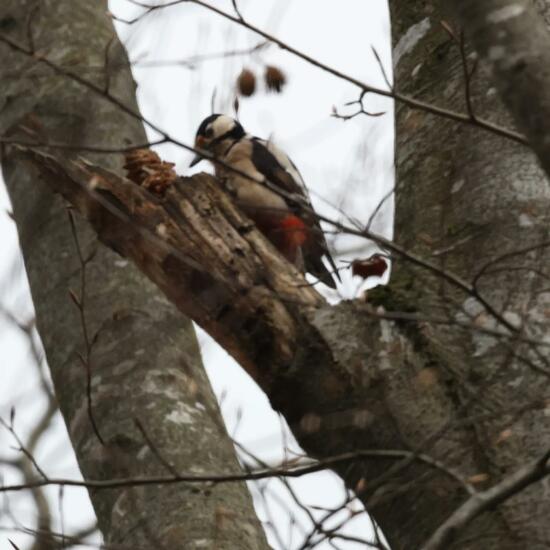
{"x": 269, "y": 189}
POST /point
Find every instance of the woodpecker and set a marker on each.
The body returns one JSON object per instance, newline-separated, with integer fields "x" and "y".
{"x": 269, "y": 189}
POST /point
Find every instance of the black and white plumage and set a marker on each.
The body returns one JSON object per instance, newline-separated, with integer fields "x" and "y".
{"x": 269, "y": 188}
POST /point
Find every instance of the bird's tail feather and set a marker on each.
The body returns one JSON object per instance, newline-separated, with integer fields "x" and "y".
{"x": 315, "y": 266}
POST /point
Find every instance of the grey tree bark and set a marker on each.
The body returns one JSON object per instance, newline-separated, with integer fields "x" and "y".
{"x": 513, "y": 38}
{"x": 145, "y": 362}
{"x": 479, "y": 206}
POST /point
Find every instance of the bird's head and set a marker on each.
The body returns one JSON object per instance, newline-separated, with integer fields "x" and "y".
{"x": 215, "y": 133}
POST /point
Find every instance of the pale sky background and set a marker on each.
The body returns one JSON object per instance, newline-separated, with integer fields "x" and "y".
{"x": 347, "y": 164}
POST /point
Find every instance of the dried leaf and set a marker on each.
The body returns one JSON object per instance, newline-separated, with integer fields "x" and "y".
{"x": 310, "y": 423}
{"x": 75, "y": 298}
{"x": 223, "y": 515}
{"x": 425, "y": 238}
{"x": 449, "y": 30}
{"x": 375, "y": 266}
{"x": 360, "y": 486}
{"x": 478, "y": 478}
{"x": 503, "y": 436}
{"x": 427, "y": 377}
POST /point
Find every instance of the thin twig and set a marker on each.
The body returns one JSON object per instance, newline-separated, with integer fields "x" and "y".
{"x": 29, "y": 25}
{"x": 468, "y": 74}
{"x": 106, "y": 64}
{"x": 235, "y": 7}
{"x": 382, "y": 69}
{"x": 83, "y": 147}
{"x": 402, "y": 98}
{"x": 154, "y": 449}
{"x": 488, "y": 499}
{"x": 190, "y": 62}
{"x": 22, "y": 447}
{"x": 80, "y": 303}
{"x": 297, "y": 471}
{"x": 361, "y": 110}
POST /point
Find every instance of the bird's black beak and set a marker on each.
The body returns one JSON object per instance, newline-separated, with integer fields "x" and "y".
{"x": 201, "y": 144}
{"x": 196, "y": 160}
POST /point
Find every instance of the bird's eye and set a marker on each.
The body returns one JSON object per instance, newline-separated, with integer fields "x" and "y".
{"x": 209, "y": 133}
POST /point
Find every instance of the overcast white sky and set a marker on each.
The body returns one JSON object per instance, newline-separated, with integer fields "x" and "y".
{"x": 346, "y": 164}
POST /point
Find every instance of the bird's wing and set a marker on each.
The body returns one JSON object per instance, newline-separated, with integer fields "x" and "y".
{"x": 286, "y": 163}
{"x": 278, "y": 169}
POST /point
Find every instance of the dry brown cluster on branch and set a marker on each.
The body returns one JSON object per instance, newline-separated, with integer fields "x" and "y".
{"x": 145, "y": 168}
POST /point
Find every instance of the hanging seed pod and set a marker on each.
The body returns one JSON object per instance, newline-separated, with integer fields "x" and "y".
{"x": 246, "y": 83}
{"x": 274, "y": 78}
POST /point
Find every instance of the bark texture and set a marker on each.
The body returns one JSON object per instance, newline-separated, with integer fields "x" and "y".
{"x": 145, "y": 361}
{"x": 479, "y": 206}
{"x": 513, "y": 38}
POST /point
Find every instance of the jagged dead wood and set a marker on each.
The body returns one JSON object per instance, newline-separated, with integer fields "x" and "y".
{"x": 204, "y": 254}
{"x": 334, "y": 372}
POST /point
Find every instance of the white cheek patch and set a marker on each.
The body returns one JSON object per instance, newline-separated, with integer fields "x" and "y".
{"x": 222, "y": 125}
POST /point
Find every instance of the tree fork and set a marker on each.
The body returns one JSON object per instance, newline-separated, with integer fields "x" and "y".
{"x": 325, "y": 368}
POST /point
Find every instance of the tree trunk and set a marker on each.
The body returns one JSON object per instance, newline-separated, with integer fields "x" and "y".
{"x": 144, "y": 360}
{"x": 477, "y": 205}
{"x": 513, "y": 39}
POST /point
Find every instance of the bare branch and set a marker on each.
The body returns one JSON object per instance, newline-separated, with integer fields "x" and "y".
{"x": 80, "y": 303}
{"x": 402, "y": 98}
{"x": 478, "y": 503}
{"x": 22, "y": 447}
{"x": 235, "y": 7}
{"x": 309, "y": 467}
